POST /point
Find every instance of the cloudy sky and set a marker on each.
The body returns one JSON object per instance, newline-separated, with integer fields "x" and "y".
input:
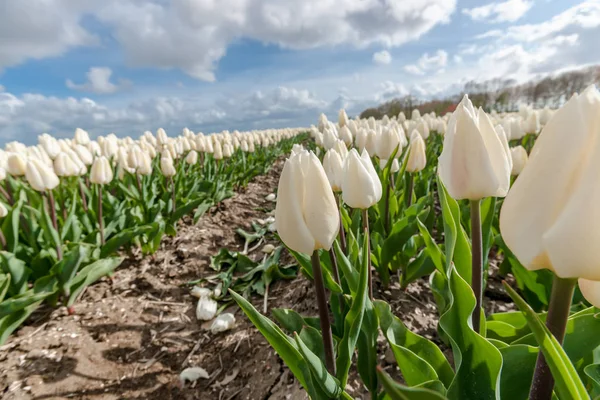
{"x": 126, "y": 66}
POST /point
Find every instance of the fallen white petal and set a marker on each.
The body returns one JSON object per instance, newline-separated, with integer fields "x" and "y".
{"x": 206, "y": 309}
{"x": 193, "y": 374}
{"x": 223, "y": 323}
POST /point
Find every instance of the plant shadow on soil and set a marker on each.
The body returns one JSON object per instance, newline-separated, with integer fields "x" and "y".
{"x": 130, "y": 338}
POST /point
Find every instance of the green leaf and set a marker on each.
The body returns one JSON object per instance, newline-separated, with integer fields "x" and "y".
{"x": 517, "y": 371}
{"x": 4, "y": 284}
{"x": 186, "y": 209}
{"x": 350, "y": 274}
{"x": 567, "y": 381}
{"x": 121, "y": 238}
{"x": 419, "y": 359}
{"x": 434, "y": 251}
{"x": 66, "y": 269}
{"x": 10, "y": 225}
{"x": 353, "y": 321}
{"x": 326, "y": 381}
{"x": 477, "y": 361}
{"x": 281, "y": 343}
{"x": 10, "y": 322}
{"x": 306, "y": 266}
{"x": 19, "y": 273}
{"x": 593, "y": 372}
{"x": 90, "y": 274}
{"x": 397, "y": 391}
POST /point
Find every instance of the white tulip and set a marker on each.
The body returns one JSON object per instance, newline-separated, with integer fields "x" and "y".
{"x": 40, "y": 176}
{"x": 519, "y": 159}
{"x": 101, "y": 172}
{"x": 361, "y": 187}
{"x": 333, "y": 164}
{"x": 417, "y": 158}
{"x": 81, "y": 137}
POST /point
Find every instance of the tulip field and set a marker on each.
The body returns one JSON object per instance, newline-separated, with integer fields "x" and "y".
{"x": 416, "y": 257}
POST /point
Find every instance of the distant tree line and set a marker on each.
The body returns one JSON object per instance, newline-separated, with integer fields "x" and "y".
{"x": 497, "y": 94}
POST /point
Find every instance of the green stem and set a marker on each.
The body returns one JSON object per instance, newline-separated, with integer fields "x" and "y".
{"x": 173, "y": 194}
{"x": 556, "y": 321}
{"x": 323, "y": 313}
{"x": 342, "y": 232}
{"x": 476, "y": 261}
{"x": 52, "y": 207}
{"x": 409, "y": 189}
{"x": 366, "y": 228}
{"x": 100, "y": 219}
{"x": 386, "y": 210}
{"x": 82, "y": 194}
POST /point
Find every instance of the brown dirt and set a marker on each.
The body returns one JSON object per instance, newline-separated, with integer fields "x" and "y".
{"x": 131, "y": 338}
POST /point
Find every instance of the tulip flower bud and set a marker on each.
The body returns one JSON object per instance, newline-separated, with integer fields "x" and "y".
{"x": 251, "y": 147}
{"x": 16, "y": 164}
{"x": 49, "y": 144}
{"x": 16, "y": 147}
{"x": 40, "y": 177}
{"x": 519, "y": 159}
{"x": 64, "y": 166}
{"x": 504, "y": 140}
{"x": 417, "y": 159}
{"x": 109, "y": 148}
{"x": 227, "y": 150}
{"x": 218, "y": 151}
{"x": 361, "y": 187}
{"x": 81, "y": 137}
{"x": 166, "y": 166}
{"x": 3, "y": 210}
{"x": 423, "y": 128}
{"x": 161, "y": 137}
{"x": 473, "y": 163}
{"x": 416, "y": 114}
{"x": 345, "y": 135}
{"x": 387, "y": 143}
{"x": 591, "y": 291}
{"x": 554, "y": 203}
{"x": 372, "y": 139}
{"x": 2, "y": 174}
{"x": 532, "y": 123}
{"x": 101, "y": 172}
{"x": 84, "y": 154}
{"x": 333, "y": 165}
{"x": 306, "y": 212}
{"x": 395, "y": 167}
{"x": 342, "y": 118}
{"x": 329, "y": 139}
{"x": 516, "y": 129}
{"x": 360, "y": 141}
{"x": 192, "y": 157}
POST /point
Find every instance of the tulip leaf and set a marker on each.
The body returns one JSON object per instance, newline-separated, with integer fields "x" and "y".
{"x": 477, "y": 361}
{"x": 4, "y": 285}
{"x": 353, "y": 321}
{"x": 435, "y": 253}
{"x": 419, "y": 359}
{"x": 18, "y": 271}
{"x": 12, "y": 321}
{"x": 90, "y": 274}
{"x": 567, "y": 381}
{"x": 10, "y": 225}
{"x": 349, "y": 274}
{"x": 122, "y": 238}
{"x": 306, "y": 265}
{"x": 517, "y": 371}
{"x": 281, "y": 343}
{"x": 292, "y": 321}
{"x": 593, "y": 373}
{"x": 457, "y": 245}
{"x": 328, "y": 383}
{"x": 397, "y": 391}
{"x": 67, "y": 268}
{"x": 367, "y": 348}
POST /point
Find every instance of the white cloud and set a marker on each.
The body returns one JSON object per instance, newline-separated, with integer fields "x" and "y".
{"x": 193, "y": 35}
{"x": 427, "y": 63}
{"x": 506, "y": 11}
{"x": 382, "y": 57}
{"x": 390, "y": 90}
{"x": 27, "y": 116}
{"x": 98, "y": 81}
{"x": 413, "y": 69}
{"x": 2, "y": 88}
{"x": 39, "y": 29}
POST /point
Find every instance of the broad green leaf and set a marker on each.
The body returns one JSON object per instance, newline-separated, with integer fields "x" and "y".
{"x": 567, "y": 381}
{"x": 122, "y": 238}
{"x": 66, "y": 269}
{"x": 328, "y": 383}
{"x": 4, "y": 284}
{"x": 477, "y": 361}
{"x": 90, "y": 274}
{"x": 397, "y": 391}
{"x": 517, "y": 371}
{"x": 435, "y": 253}
{"x": 306, "y": 265}
{"x": 350, "y": 274}
{"x": 419, "y": 359}
{"x": 19, "y": 273}
{"x": 281, "y": 343}
{"x": 593, "y": 372}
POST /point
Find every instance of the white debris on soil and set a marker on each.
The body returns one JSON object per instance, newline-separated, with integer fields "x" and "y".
{"x": 201, "y": 292}
{"x": 206, "y": 309}
{"x": 268, "y": 248}
{"x": 223, "y": 323}
{"x": 193, "y": 374}
{"x": 271, "y": 197}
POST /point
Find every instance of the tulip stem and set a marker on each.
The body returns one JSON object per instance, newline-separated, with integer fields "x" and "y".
{"x": 386, "y": 210}
{"x": 173, "y": 193}
{"x": 52, "y": 207}
{"x": 2, "y": 240}
{"x": 342, "y": 232}
{"x": 6, "y": 194}
{"x": 366, "y": 227}
{"x": 476, "y": 261}
{"x": 556, "y": 321}
{"x": 336, "y": 277}
{"x": 409, "y": 189}
{"x": 139, "y": 184}
{"x": 83, "y": 197}
{"x": 323, "y": 313}
{"x": 100, "y": 219}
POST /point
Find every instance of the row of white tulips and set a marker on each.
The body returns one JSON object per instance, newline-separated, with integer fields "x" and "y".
{"x": 42, "y": 165}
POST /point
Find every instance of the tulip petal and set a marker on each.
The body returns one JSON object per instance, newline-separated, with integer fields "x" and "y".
{"x": 288, "y": 212}
{"x": 591, "y": 291}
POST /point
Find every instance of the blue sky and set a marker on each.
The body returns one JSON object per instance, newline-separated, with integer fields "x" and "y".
{"x": 129, "y": 66}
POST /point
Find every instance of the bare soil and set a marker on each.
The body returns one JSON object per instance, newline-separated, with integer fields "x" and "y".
{"x": 131, "y": 338}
